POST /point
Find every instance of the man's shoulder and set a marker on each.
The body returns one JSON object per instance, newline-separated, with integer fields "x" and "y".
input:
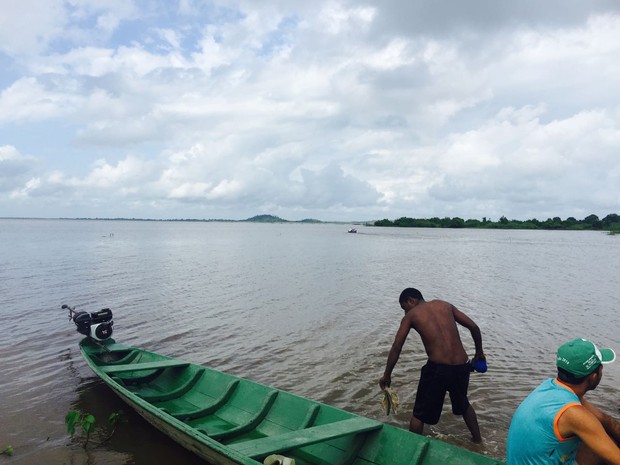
{"x": 431, "y": 310}
{"x": 550, "y": 390}
{"x": 439, "y": 304}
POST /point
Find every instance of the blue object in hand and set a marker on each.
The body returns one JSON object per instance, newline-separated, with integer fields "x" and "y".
{"x": 479, "y": 365}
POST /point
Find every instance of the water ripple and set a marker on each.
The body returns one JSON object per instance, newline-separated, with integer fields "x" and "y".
{"x": 306, "y": 308}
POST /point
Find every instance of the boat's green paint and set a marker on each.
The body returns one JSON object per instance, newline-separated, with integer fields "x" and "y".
{"x": 229, "y": 420}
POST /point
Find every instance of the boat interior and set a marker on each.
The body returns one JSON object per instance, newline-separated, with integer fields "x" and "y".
{"x": 255, "y": 420}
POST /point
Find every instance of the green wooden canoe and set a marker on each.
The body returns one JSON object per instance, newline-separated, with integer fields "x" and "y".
{"x": 229, "y": 420}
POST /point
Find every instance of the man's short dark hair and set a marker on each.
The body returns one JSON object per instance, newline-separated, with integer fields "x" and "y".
{"x": 569, "y": 378}
{"x": 410, "y": 293}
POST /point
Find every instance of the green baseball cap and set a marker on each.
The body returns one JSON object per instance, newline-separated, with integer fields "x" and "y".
{"x": 581, "y": 357}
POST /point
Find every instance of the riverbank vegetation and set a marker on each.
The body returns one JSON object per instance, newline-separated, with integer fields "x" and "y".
{"x": 86, "y": 422}
{"x": 610, "y": 223}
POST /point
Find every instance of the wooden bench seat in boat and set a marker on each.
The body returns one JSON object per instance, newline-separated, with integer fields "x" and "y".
{"x": 206, "y": 409}
{"x": 129, "y": 357}
{"x": 126, "y": 367}
{"x": 305, "y": 437}
{"x": 248, "y": 425}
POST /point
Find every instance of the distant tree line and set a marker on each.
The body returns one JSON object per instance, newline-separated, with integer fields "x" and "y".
{"x": 591, "y": 222}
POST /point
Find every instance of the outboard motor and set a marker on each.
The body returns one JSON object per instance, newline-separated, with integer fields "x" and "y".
{"x": 97, "y": 325}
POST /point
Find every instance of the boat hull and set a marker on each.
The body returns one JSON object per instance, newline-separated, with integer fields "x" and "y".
{"x": 227, "y": 420}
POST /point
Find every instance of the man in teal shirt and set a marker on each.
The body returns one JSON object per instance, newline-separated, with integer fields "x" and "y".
{"x": 555, "y": 425}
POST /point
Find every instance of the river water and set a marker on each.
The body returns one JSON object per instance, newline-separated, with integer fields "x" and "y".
{"x": 306, "y": 308}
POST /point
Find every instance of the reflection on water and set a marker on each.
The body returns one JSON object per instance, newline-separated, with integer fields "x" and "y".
{"x": 306, "y": 308}
{"x": 134, "y": 440}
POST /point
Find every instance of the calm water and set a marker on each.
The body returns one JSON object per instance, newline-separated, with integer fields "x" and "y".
{"x": 305, "y": 308}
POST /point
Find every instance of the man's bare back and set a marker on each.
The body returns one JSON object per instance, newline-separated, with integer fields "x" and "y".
{"x": 436, "y": 321}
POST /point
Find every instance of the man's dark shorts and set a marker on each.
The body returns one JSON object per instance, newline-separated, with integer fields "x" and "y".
{"x": 435, "y": 380}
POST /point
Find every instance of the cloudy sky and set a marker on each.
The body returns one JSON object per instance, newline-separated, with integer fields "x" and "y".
{"x": 335, "y": 110}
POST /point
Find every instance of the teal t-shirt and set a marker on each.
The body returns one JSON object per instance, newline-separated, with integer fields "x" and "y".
{"x": 533, "y": 438}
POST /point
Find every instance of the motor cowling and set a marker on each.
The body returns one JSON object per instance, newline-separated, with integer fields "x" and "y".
{"x": 98, "y": 325}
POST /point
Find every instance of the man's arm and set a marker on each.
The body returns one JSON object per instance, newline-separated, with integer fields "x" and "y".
{"x": 476, "y": 335}
{"x": 397, "y": 346}
{"x": 611, "y": 426}
{"x": 580, "y": 421}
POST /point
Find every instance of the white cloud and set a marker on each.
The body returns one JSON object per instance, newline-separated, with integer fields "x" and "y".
{"x": 27, "y": 26}
{"x": 29, "y": 100}
{"x": 517, "y": 159}
{"x": 31, "y": 27}
{"x": 14, "y": 168}
{"x": 126, "y": 174}
{"x": 325, "y": 110}
{"x": 338, "y": 19}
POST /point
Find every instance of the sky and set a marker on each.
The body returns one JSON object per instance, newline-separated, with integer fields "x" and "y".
{"x": 333, "y": 110}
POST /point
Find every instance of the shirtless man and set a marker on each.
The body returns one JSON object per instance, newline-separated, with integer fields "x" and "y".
{"x": 447, "y": 368}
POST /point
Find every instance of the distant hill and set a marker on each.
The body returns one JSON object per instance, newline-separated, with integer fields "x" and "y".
{"x": 266, "y": 219}
{"x": 277, "y": 219}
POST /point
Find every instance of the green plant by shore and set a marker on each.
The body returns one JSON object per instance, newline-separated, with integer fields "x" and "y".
{"x": 86, "y": 422}
{"x": 8, "y": 450}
